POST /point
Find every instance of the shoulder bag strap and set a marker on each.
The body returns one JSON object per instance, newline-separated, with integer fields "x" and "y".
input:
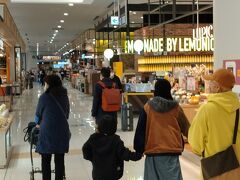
{"x": 236, "y": 127}
{"x": 59, "y": 106}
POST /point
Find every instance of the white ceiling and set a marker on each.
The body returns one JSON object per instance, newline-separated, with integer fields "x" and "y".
{"x": 37, "y": 21}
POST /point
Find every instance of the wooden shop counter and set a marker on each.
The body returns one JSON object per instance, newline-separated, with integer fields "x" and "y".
{"x": 138, "y": 99}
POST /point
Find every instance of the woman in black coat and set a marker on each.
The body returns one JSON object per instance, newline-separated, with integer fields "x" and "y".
{"x": 51, "y": 115}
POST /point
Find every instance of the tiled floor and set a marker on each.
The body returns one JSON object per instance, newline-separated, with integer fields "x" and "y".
{"x": 81, "y": 127}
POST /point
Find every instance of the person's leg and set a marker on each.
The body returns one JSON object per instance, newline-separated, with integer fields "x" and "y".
{"x": 59, "y": 166}
{"x": 46, "y": 166}
{"x": 163, "y": 167}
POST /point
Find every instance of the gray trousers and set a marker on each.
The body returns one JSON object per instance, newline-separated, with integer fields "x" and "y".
{"x": 162, "y": 168}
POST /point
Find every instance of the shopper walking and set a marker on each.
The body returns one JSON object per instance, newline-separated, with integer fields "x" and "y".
{"x": 52, "y": 114}
{"x": 62, "y": 73}
{"x": 159, "y": 134}
{"x": 98, "y": 101}
{"x": 106, "y": 151}
{"x": 116, "y": 79}
{"x": 42, "y": 75}
{"x": 29, "y": 78}
{"x": 212, "y": 128}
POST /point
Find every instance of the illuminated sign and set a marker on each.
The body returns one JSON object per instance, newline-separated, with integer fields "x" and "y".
{"x": 53, "y": 58}
{"x": 114, "y": 20}
{"x": 202, "y": 40}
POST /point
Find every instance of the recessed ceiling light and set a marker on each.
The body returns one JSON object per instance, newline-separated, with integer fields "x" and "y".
{"x": 65, "y": 14}
{"x": 54, "y": 34}
{"x": 62, "y": 21}
{"x": 56, "y": 31}
{"x": 133, "y": 22}
{"x": 51, "y": 42}
{"x": 141, "y": 17}
{"x": 59, "y": 26}
{"x": 115, "y": 26}
{"x": 70, "y": 4}
{"x": 47, "y": 1}
{"x": 134, "y": 12}
{"x": 67, "y": 43}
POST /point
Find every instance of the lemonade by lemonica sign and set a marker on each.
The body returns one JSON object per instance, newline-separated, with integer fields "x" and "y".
{"x": 202, "y": 40}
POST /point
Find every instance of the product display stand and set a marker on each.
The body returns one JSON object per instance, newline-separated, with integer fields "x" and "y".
{"x": 6, "y": 143}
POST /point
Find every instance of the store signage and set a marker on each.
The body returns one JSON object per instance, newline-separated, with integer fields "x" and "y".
{"x": 114, "y": 20}
{"x": 53, "y": 58}
{"x": 202, "y": 40}
{"x": 1, "y": 12}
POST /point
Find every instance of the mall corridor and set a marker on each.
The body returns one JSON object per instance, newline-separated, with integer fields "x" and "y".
{"x": 82, "y": 126}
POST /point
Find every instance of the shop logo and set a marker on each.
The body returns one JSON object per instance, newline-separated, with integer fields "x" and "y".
{"x": 201, "y": 40}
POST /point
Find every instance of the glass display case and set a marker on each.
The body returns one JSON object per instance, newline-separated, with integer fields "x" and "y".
{"x": 6, "y": 142}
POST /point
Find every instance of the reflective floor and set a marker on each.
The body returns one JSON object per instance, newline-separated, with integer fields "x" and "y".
{"x": 82, "y": 126}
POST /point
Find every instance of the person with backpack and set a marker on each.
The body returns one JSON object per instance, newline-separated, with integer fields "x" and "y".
{"x": 107, "y": 152}
{"x": 106, "y": 98}
{"x": 54, "y": 135}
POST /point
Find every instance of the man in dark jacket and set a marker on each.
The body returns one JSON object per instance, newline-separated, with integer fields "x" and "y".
{"x": 97, "y": 111}
{"x": 116, "y": 79}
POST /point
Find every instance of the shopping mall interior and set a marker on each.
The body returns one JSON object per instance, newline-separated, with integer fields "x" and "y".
{"x": 141, "y": 40}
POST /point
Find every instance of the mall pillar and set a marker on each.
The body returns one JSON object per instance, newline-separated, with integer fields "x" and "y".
{"x": 226, "y": 31}
{"x": 227, "y": 34}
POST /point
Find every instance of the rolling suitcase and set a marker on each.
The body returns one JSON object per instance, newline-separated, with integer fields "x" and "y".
{"x": 127, "y": 117}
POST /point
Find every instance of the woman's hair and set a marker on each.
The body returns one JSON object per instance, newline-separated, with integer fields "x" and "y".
{"x": 54, "y": 84}
{"x": 163, "y": 89}
{"x": 107, "y": 125}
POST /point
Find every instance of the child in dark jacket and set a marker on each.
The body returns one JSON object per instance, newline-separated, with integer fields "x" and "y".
{"x": 106, "y": 151}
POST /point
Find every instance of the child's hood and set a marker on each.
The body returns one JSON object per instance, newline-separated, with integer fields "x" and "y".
{"x": 105, "y": 144}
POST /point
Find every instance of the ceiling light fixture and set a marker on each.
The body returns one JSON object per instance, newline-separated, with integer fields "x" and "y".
{"x": 141, "y": 17}
{"x": 47, "y": 1}
{"x": 70, "y": 4}
{"x": 56, "y": 31}
{"x": 134, "y": 12}
{"x": 62, "y": 21}
{"x": 59, "y": 26}
{"x": 65, "y": 14}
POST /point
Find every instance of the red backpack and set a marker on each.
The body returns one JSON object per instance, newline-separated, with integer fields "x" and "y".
{"x": 111, "y": 98}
